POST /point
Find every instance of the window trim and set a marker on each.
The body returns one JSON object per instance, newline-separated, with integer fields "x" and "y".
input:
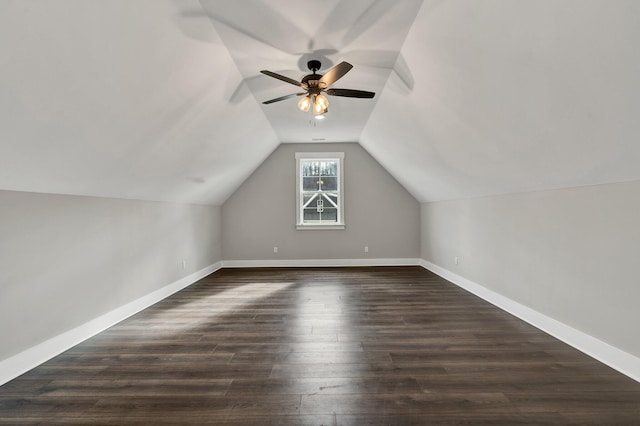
{"x": 320, "y": 156}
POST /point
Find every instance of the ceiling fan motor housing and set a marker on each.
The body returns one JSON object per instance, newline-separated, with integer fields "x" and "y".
{"x": 311, "y": 80}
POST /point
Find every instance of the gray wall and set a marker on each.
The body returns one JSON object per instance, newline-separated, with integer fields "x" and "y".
{"x": 571, "y": 254}
{"x": 379, "y": 212}
{"x": 65, "y": 260}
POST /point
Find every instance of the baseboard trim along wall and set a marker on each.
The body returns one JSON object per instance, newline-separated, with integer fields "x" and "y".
{"x": 19, "y": 364}
{"x": 621, "y": 361}
{"x": 615, "y": 358}
{"x": 310, "y": 263}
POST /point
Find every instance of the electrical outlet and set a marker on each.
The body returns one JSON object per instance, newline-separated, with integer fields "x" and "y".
{"x": 366, "y": 249}
{"x": 275, "y": 249}
{"x": 455, "y": 260}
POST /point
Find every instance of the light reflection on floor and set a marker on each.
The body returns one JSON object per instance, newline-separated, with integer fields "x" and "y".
{"x": 320, "y": 307}
{"x": 229, "y": 301}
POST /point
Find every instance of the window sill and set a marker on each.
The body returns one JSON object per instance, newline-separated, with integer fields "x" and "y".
{"x": 333, "y": 226}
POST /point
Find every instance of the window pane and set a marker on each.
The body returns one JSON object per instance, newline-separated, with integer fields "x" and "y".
{"x": 330, "y": 214}
{"x": 311, "y": 215}
{"x": 306, "y": 168}
{"x": 311, "y": 168}
{"x": 323, "y": 168}
{"x": 329, "y": 183}
{"x": 331, "y": 200}
{"x": 308, "y": 197}
{"x": 332, "y": 169}
{"x": 310, "y": 183}
{"x": 319, "y": 168}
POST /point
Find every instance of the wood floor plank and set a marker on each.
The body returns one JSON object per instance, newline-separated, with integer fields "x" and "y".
{"x": 322, "y": 346}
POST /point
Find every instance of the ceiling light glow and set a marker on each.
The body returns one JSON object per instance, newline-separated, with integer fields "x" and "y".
{"x": 304, "y": 103}
{"x": 321, "y": 104}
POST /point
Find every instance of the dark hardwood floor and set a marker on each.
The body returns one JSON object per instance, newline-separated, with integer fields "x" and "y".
{"x": 330, "y": 346}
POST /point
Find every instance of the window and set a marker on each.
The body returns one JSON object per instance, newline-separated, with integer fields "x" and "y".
{"x": 319, "y": 189}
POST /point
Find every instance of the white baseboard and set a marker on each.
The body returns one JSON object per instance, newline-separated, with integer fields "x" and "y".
{"x": 307, "y": 263}
{"x": 621, "y": 361}
{"x": 19, "y": 364}
{"x": 615, "y": 358}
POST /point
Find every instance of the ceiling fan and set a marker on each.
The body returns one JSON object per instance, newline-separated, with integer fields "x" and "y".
{"x": 316, "y": 85}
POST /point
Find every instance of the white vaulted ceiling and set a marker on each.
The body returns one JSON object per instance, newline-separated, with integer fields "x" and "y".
{"x": 162, "y": 100}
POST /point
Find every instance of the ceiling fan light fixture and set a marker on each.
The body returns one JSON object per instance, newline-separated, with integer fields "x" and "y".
{"x": 318, "y": 110}
{"x": 304, "y": 103}
{"x": 323, "y": 101}
{"x": 320, "y": 105}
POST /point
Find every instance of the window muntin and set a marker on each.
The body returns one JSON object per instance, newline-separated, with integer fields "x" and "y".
{"x": 319, "y": 190}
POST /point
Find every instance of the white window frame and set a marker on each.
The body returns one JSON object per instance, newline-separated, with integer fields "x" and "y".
{"x": 319, "y": 156}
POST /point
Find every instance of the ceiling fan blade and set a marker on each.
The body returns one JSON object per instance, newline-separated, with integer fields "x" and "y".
{"x": 335, "y": 73}
{"x": 349, "y": 93}
{"x": 283, "y": 78}
{"x": 282, "y": 98}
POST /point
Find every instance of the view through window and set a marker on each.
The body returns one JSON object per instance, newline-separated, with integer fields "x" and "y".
{"x": 319, "y": 184}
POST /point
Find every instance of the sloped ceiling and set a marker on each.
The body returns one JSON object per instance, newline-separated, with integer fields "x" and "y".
{"x": 161, "y": 100}
{"x": 513, "y": 96}
{"x": 119, "y": 99}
